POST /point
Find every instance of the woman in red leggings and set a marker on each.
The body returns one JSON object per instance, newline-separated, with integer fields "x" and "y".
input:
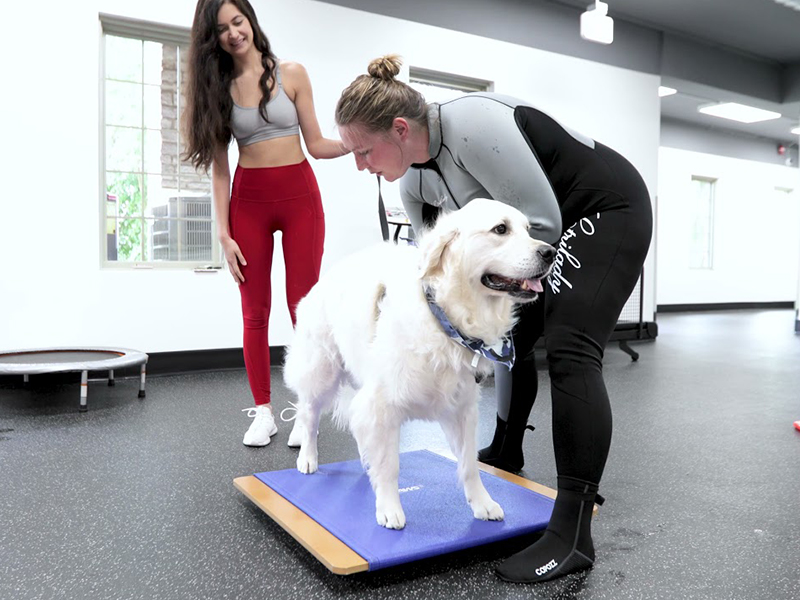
{"x": 238, "y": 88}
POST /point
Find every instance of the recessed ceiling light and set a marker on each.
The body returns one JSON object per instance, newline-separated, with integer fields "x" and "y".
{"x": 738, "y": 112}
{"x": 666, "y": 91}
{"x": 795, "y": 4}
{"x": 796, "y": 131}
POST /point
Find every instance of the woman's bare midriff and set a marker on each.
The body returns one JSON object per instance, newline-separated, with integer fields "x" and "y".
{"x": 277, "y": 152}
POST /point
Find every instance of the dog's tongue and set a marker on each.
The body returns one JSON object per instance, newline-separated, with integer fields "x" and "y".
{"x": 535, "y": 285}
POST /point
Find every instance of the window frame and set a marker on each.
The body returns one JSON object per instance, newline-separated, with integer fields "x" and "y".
{"x": 451, "y": 81}
{"x": 145, "y": 31}
{"x": 712, "y": 181}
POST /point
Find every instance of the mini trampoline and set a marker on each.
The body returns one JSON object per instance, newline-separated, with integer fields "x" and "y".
{"x": 85, "y": 359}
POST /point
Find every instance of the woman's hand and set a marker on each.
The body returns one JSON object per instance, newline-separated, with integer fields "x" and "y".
{"x": 234, "y": 257}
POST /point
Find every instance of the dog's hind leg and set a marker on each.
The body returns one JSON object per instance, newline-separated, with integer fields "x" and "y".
{"x": 377, "y": 432}
{"x": 309, "y": 410}
{"x": 308, "y": 414}
{"x": 459, "y": 430}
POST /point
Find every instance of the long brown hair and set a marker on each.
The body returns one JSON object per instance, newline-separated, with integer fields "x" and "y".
{"x": 373, "y": 101}
{"x": 209, "y": 103}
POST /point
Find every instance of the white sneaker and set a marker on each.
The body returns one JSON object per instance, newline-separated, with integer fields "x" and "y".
{"x": 296, "y": 436}
{"x": 262, "y": 427}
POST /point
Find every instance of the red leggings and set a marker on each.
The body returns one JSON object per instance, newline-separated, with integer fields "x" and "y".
{"x": 264, "y": 201}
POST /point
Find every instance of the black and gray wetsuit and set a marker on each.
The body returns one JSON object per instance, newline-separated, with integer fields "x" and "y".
{"x": 580, "y": 196}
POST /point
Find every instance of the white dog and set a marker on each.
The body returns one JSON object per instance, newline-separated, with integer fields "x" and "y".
{"x": 368, "y": 323}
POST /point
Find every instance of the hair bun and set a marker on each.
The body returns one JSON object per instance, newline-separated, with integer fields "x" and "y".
{"x": 386, "y": 67}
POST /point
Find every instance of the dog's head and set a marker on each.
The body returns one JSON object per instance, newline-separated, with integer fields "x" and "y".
{"x": 486, "y": 246}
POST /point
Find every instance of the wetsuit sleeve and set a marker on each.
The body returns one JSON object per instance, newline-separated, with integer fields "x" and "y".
{"x": 412, "y": 198}
{"x": 494, "y": 150}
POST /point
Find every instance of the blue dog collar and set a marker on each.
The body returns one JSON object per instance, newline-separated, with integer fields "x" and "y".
{"x": 502, "y": 352}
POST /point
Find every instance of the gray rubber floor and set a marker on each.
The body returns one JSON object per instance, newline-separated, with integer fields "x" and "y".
{"x": 134, "y": 499}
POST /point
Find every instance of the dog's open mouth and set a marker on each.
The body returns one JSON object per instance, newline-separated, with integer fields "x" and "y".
{"x": 521, "y": 288}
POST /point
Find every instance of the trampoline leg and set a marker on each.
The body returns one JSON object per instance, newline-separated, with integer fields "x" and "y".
{"x": 623, "y": 345}
{"x": 26, "y": 379}
{"x": 84, "y": 391}
{"x": 110, "y": 377}
{"x": 142, "y": 380}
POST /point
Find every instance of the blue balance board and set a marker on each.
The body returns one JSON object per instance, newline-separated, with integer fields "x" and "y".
{"x": 438, "y": 519}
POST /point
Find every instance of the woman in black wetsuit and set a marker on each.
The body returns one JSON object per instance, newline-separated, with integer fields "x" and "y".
{"x": 580, "y": 196}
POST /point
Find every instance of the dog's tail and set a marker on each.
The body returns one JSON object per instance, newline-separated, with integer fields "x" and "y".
{"x": 377, "y": 299}
{"x": 371, "y": 306}
{"x": 312, "y": 359}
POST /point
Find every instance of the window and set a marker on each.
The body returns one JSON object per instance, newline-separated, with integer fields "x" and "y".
{"x": 441, "y": 87}
{"x": 701, "y": 242}
{"x": 157, "y": 209}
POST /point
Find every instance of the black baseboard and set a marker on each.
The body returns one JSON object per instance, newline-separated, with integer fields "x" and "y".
{"x": 647, "y": 331}
{"x": 192, "y": 361}
{"x": 224, "y": 359}
{"x": 667, "y": 308}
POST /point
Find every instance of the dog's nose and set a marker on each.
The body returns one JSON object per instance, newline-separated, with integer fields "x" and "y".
{"x": 548, "y": 253}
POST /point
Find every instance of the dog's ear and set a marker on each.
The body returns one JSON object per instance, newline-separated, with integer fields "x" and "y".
{"x": 434, "y": 246}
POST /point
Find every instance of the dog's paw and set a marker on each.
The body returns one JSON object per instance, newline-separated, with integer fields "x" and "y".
{"x": 306, "y": 464}
{"x": 391, "y": 518}
{"x": 487, "y": 511}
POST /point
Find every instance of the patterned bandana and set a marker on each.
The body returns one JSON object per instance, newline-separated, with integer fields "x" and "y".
{"x": 502, "y": 352}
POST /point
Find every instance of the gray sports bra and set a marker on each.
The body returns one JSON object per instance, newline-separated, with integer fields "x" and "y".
{"x": 249, "y": 127}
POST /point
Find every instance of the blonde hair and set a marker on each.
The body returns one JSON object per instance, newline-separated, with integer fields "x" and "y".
{"x": 375, "y": 100}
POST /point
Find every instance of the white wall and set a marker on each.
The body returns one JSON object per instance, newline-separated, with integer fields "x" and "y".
{"x": 52, "y": 289}
{"x": 756, "y": 231}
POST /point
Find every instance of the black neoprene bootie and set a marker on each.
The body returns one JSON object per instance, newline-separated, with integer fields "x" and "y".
{"x": 493, "y": 449}
{"x": 505, "y": 451}
{"x": 566, "y": 546}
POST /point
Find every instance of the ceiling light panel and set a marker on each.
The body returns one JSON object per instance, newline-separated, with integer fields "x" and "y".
{"x": 738, "y": 112}
{"x": 794, "y": 4}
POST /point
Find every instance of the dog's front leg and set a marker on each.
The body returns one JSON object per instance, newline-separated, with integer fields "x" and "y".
{"x": 378, "y": 437}
{"x": 384, "y": 472}
{"x": 460, "y": 433}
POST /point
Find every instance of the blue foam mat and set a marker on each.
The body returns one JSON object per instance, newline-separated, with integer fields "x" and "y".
{"x": 438, "y": 518}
